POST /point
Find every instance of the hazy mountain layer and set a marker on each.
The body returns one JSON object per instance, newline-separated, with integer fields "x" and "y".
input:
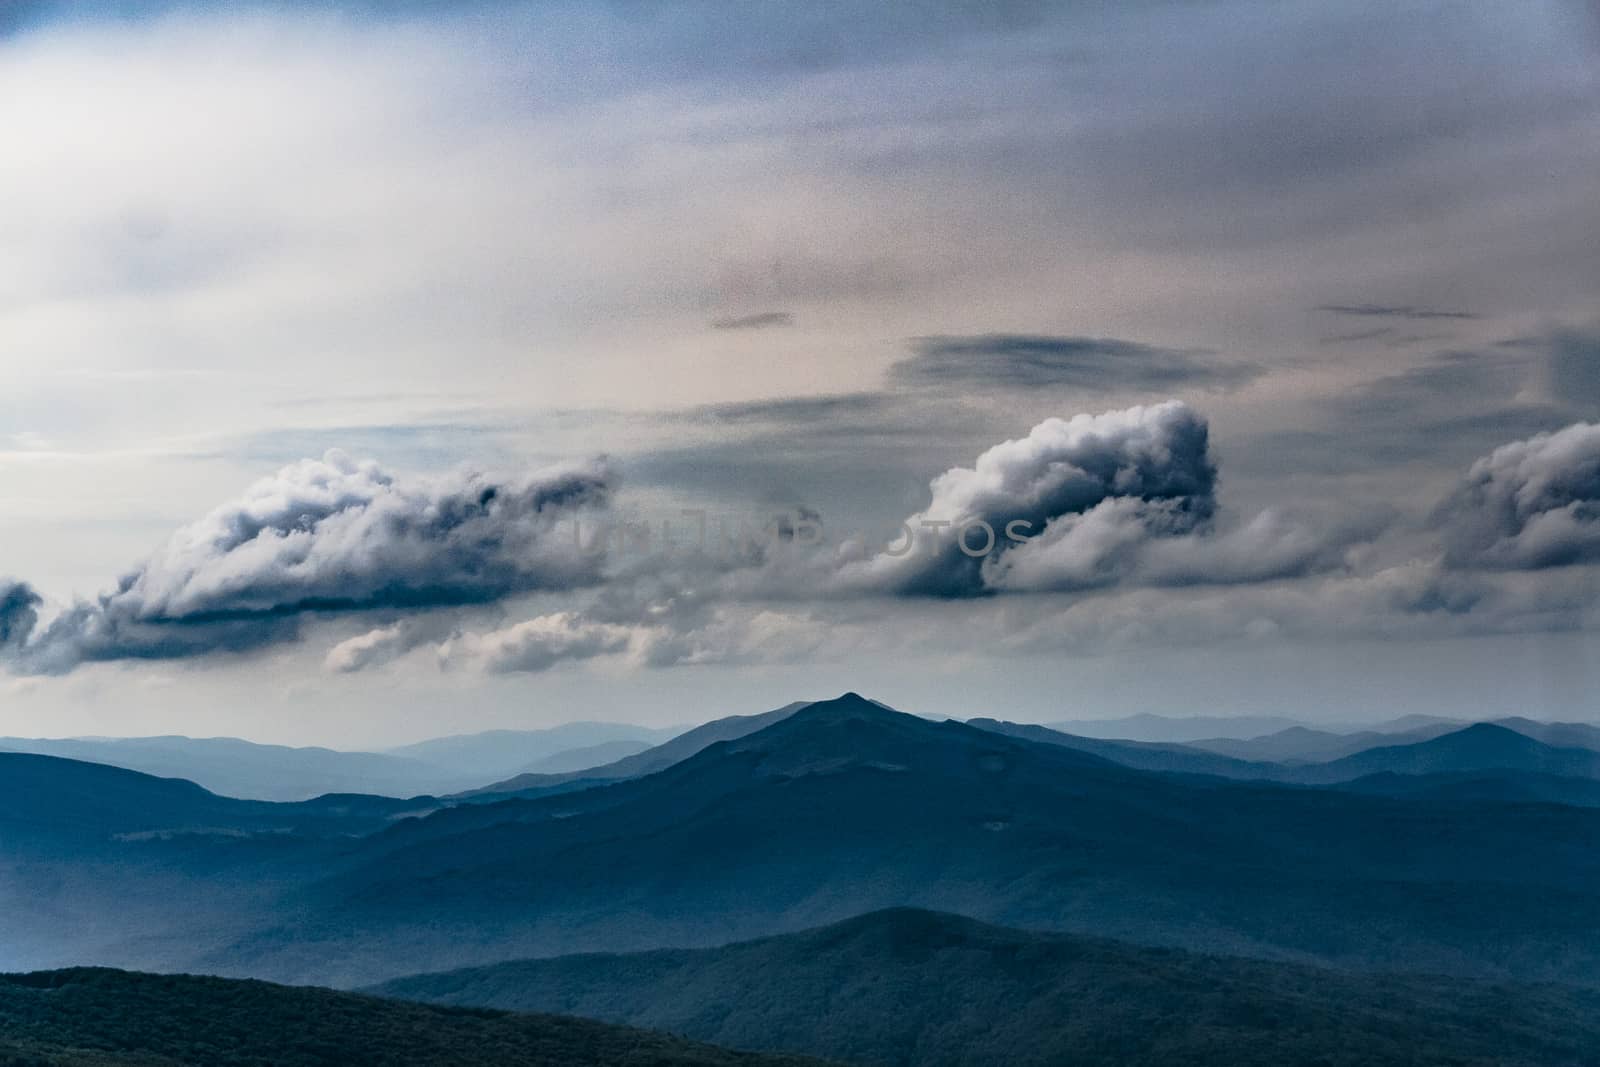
{"x": 1475, "y": 747}
{"x": 236, "y": 768}
{"x": 651, "y": 760}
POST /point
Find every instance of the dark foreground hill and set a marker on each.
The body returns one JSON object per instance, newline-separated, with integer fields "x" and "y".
{"x": 920, "y": 989}
{"x": 97, "y": 1018}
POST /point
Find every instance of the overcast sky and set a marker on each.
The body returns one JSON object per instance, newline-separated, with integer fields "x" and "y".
{"x": 334, "y": 338}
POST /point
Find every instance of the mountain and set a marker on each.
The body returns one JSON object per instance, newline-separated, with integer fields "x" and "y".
{"x": 238, "y": 768}
{"x": 98, "y": 1018}
{"x": 1559, "y": 734}
{"x": 1142, "y": 755}
{"x": 48, "y": 799}
{"x": 578, "y": 759}
{"x": 110, "y": 865}
{"x": 1301, "y": 744}
{"x": 1479, "y": 747}
{"x": 1147, "y": 727}
{"x": 651, "y": 760}
{"x": 1213, "y": 728}
{"x": 1407, "y": 723}
{"x": 496, "y": 754}
{"x": 1304, "y": 745}
{"x": 911, "y": 988}
{"x": 843, "y": 807}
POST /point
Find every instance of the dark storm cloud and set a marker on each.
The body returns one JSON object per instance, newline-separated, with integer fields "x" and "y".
{"x": 1394, "y": 311}
{"x": 1528, "y": 505}
{"x": 19, "y": 611}
{"x": 764, "y": 320}
{"x": 1033, "y": 361}
{"x": 328, "y": 535}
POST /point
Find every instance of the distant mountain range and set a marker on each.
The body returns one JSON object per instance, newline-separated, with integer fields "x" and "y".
{"x": 1191, "y": 728}
{"x": 278, "y": 772}
{"x": 1478, "y": 747}
{"x": 660, "y": 757}
{"x": 910, "y": 988}
{"x": 827, "y": 811}
{"x": 1147, "y": 727}
{"x": 495, "y": 754}
{"x": 842, "y": 807}
{"x": 533, "y": 762}
{"x": 1303, "y": 745}
{"x": 245, "y": 769}
{"x": 104, "y": 1018}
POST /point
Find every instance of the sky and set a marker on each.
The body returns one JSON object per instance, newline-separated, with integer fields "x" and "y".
{"x": 347, "y": 350}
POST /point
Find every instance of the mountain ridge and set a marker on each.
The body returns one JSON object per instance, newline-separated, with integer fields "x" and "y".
{"x": 846, "y": 808}
{"x": 96, "y": 1017}
{"x": 913, "y": 988}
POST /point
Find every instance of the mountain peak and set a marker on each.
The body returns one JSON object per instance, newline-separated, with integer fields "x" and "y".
{"x": 848, "y": 706}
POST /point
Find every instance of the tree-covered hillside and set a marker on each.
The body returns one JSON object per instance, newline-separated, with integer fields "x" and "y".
{"x": 91, "y": 1017}
{"x": 918, "y": 989}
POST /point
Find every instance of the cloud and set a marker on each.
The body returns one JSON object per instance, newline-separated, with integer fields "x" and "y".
{"x": 1393, "y": 311}
{"x": 19, "y": 612}
{"x": 383, "y": 644}
{"x": 1126, "y": 541}
{"x": 1033, "y": 361}
{"x": 791, "y": 411}
{"x": 736, "y": 634}
{"x": 1527, "y": 505}
{"x": 1155, "y": 460}
{"x": 329, "y": 535}
{"x": 1096, "y": 500}
{"x": 536, "y": 644}
{"x": 762, "y": 320}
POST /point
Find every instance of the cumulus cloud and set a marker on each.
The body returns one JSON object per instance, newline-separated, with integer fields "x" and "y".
{"x": 1154, "y": 460}
{"x": 383, "y": 644}
{"x": 1087, "y": 502}
{"x": 535, "y": 644}
{"x": 1125, "y": 540}
{"x": 329, "y": 535}
{"x": 1529, "y": 504}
